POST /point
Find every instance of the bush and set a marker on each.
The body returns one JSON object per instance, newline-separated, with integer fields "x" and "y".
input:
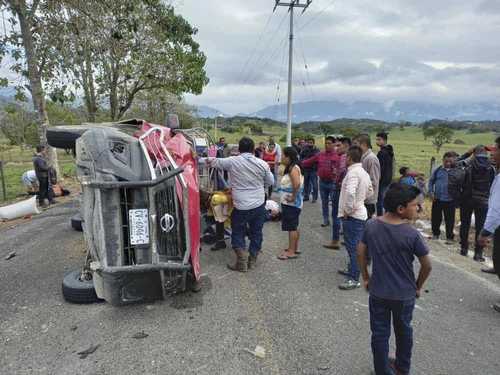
{"x": 459, "y": 142}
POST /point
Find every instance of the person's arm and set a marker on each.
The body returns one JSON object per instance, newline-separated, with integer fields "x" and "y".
{"x": 295, "y": 180}
{"x": 492, "y": 218}
{"x": 363, "y": 263}
{"x": 375, "y": 173}
{"x": 218, "y": 163}
{"x": 269, "y": 177}
{"x": 425, "y": 271}
{"x": 308, "y": 163}
{"x": 351, "y": 185}
{"x": 432, "y": 180}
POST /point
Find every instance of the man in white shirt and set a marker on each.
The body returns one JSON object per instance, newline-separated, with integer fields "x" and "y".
{"x": 356, "y": 189}
{"x": 248, "y": 176}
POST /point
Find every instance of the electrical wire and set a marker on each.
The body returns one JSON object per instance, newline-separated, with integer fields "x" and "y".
{"x": 316, "y": 15}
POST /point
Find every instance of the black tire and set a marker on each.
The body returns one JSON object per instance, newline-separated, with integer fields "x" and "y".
{"x": 75, "y": 290}
{"x": 65, "y": 137}
{"x": 76, "y": 223}
{"x": 496, "y": 252}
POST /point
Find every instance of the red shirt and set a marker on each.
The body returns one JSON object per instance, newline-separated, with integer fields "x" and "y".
{"x": 269, "y": 157}
{"x": 331, "y": 165}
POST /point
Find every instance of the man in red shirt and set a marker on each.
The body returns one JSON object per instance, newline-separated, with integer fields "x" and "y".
{"x": 330, "y": 173}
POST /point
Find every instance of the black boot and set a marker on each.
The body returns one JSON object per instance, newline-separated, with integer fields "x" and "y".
{"x": 478, "y": 256}
{"x": 464, "y": 252}
{"x": 219, "y": 245}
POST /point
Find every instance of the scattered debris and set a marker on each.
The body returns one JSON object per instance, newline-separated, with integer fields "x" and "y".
{"x": 45, "y": 328}
{"x": 259, "y": 352}
{"x": 73, "y": 328}
{"x": 140, "y": 335}
{"x": 10, "y": 255}
{"x": 85, "y": 353}
{"x": 323, "y": 368}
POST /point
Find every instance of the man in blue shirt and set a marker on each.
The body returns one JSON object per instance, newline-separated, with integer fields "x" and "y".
{"x": 492, "y": 225}
{"x": 393, "y": 244}
{"x": 443, "y": 204}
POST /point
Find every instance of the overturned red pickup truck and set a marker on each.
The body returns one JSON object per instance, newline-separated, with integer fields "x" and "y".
{"x": 140, "y": 209}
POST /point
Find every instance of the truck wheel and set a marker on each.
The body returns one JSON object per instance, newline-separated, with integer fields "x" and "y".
{"x": 496, "y": 252}
{"x": 76, "y": 290}
{"x": 64, "y": 137}
{"x": 76, "y": 223}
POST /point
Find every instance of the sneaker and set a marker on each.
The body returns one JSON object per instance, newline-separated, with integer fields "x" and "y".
{"x": 464, "y": 252}
{"x": 489, "y": 270}
{"x": 349, "y": 285}
{"x": 219, "y": 246}
{"x": 314, "y": 201}
{"x": 449, "y": 242}
{"x": 479, "y": 258}
{"x": 435, "y": 237}
{"x": 325, "y": 225}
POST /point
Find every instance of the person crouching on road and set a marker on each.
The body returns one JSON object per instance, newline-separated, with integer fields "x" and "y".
{"x": 291, "y": 189}
{"x": 249, "y": 176}
{"x": 393, "y": 243}
{"x": 356, "y": 188}
{"x": 42, "y": 174}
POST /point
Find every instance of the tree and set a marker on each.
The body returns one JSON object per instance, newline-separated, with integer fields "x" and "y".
{"x": 27, "y": 45}
{"x": 440, "y": 135}
{"x": 19, "y": 125}
{"x": 116, "y": 49}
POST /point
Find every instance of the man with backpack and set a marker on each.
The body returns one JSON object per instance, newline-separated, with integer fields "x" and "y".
{"x": 478, "y": 175}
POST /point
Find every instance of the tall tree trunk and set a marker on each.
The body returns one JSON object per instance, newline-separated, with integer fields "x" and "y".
{"x": 34, "y": 77}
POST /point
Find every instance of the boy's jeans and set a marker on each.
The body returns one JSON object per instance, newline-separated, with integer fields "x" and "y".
{"x": 251, "y": 220}
{"x": 380, "y": 200}
{"x": 353, "y": 232}
{"x": 330, "y": 193}
{"x": 310, "y": 184}
{"x": 381, "y": 311}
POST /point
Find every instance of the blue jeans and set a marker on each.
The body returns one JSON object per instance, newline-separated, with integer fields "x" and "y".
{"x": 310, "y": 184}
{"x": 330, "y": 193}
{"x": 380, "y": 200}
{"x": 353, "y": 232}
{"x": 381, "y": 311}
{"x": 251, "y": 222}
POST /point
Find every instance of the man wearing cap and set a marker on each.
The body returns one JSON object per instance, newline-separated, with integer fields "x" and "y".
{"x": 478, "y": 179}
{"x": 491, "y": 227}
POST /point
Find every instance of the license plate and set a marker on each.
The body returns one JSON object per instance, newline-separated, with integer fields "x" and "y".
{"x": 139, "y": 227}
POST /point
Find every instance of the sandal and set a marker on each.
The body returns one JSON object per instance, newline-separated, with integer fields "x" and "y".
{"x": 285, "y": 256}
{"x": 297, "y": 252}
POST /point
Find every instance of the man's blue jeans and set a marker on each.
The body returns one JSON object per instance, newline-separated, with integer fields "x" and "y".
{"x": 330, "y": 193}
{"x": 353, "y": 232}
{"x": 251, "y": 222}
{"x": 310, "y": 184}
{"x": 381, "y": 311}
{"x": 380, "y": 200}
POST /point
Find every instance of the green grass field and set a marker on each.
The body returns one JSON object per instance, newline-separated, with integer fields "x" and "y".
{"x": 410, "y": 148}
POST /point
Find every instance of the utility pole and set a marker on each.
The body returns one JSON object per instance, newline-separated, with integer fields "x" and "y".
{"x": 291, "y": 5}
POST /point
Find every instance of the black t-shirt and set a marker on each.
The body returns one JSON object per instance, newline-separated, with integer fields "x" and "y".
{"x": 393, "y": 249}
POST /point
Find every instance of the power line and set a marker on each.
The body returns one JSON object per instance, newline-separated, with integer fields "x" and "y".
{"x": 306, "y": 66}
{"x": 264, "y": 50}
{"x": 250, "y": 56}
{"x": 316, "y": 15}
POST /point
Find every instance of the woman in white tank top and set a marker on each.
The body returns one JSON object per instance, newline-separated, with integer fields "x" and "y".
{"x": 292, "y": 186}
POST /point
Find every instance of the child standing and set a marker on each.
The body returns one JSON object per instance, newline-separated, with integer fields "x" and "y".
{"x": 393, "y": 244}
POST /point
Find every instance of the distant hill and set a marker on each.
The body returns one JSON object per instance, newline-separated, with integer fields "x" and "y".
{"x": 204, "y": 111}
{"x": 394, "y": 111}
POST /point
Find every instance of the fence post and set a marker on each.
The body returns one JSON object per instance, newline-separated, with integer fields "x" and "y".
{"x": 2, "y": 177}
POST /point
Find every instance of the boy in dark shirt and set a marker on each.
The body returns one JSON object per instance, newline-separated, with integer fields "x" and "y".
{"x": 393, "y": 244}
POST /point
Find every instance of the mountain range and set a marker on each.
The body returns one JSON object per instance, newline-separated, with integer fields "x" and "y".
{"x": 393, "y": 111}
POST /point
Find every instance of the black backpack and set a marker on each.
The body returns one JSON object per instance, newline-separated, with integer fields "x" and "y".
{"x": 457, "y": 182}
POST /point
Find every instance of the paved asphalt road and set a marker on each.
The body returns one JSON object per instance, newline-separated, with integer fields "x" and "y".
{"x": 293, "y": 309}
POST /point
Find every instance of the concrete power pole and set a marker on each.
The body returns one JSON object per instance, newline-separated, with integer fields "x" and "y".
{"x": 304, "y": 4}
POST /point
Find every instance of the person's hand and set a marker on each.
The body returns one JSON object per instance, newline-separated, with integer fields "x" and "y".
{"x": 290, "y": 198}
{"x": 483, "y": 241}
{"x": 366, "y": 284}
{"x": 346, "y": 216}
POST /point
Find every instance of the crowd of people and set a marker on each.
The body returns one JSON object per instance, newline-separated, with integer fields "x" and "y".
{"x": 360, "y": 199}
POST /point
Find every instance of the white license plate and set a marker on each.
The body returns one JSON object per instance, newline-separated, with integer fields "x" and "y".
{"x": 139, "y": 227}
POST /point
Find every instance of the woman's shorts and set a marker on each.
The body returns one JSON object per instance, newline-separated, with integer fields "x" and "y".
{"x": 289, "y": 218}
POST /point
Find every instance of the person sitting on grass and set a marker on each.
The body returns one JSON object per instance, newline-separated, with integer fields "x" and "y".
{"x": 393, "y": 244}
{"x": 291, "y": 188}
